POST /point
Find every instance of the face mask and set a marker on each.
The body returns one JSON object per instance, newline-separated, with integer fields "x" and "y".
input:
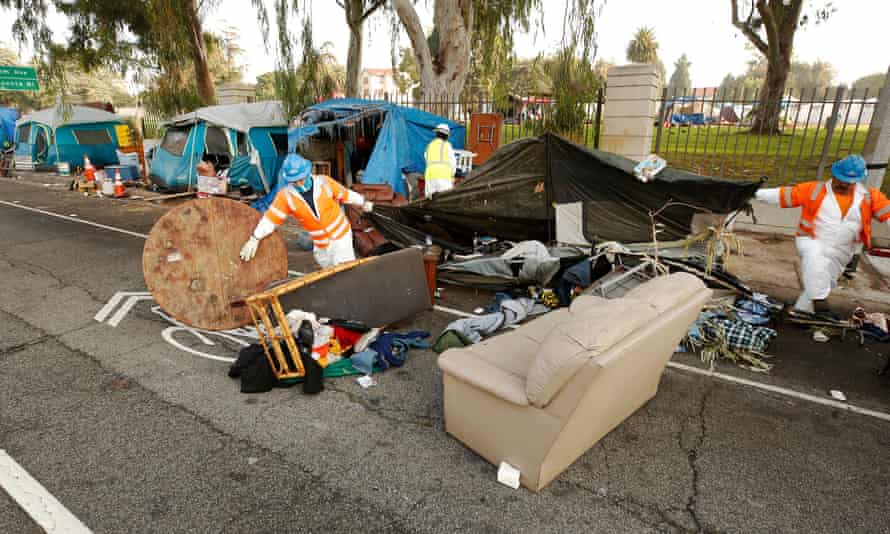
{"x": 306, "y": 185}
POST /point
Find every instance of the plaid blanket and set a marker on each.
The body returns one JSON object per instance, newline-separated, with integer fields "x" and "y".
{"x": 737, "y": 334}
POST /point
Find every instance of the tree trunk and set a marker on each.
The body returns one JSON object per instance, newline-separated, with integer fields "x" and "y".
{"x": 354, "y": 19}
{"x": 203, "y": 79}
{"x": 769, "y": 109}
{"x": 443, "y": 72}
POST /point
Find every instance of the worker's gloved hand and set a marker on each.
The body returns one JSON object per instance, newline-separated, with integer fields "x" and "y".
{"x": 248, "y": 251}
{"x": 368, "y": 206}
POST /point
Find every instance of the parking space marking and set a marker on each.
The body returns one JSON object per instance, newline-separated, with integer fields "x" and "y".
{"x": 36, "y": 501}
{"x": 672, "y": 365}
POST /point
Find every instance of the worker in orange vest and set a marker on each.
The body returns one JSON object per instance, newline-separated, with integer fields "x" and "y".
{"x": 835, "y": 223}
{"x": 314, "y": 201}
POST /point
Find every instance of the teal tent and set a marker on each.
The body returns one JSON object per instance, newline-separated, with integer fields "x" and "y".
{"x": 225, "y": 136}
{"x": 67, "y": 134}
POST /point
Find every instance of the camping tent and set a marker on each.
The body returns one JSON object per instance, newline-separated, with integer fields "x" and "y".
{"x": 225, "y": 136}
{"x": 595, "y": 194}
{"x": 8, "y": 116}
{"x": 399, "y": 136}
{"x": 66, "y": 134}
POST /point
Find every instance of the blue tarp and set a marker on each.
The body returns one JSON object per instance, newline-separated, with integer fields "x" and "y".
{"x": 399, "y": 146}
{"x": 8, "y": 116}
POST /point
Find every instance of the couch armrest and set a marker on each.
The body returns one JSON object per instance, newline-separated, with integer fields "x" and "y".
{"x": 470, "y": 368}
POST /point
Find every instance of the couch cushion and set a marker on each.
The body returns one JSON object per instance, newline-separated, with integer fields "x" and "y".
{"x": 559, "y": 358}
{"x": 510, "y": 351}
{"x": 538, "y": 328}
{"x": 599, "y": 327}
{"x": 665, "y": 292}
{"x": 585, "y": 302}
{"x": 588, "y": 333}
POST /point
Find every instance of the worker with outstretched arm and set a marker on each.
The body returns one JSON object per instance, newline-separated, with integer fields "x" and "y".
{"x": 441, "y": 163}
{"x": 314, "y": 201}
{"x": 835, "y": 223}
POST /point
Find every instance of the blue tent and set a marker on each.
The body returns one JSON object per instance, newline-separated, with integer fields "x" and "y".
{"x": 8, "y": 116}
{"x": 399, "y": 145}
{"x": 224, "y": 135}
{"x": 67, "y": 134}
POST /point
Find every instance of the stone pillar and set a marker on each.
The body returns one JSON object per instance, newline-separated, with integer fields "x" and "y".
{"x": 630, "y": 110}
{"x": 628, "y": 120}
{"x": 877, "y": 142}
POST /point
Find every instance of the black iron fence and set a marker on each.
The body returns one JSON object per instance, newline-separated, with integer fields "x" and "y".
{"x": 524, "y": 116}
{"x": 709, "y": 132}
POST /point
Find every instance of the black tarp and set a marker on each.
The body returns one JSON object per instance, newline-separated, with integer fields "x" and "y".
{"x": 512, "y": 196}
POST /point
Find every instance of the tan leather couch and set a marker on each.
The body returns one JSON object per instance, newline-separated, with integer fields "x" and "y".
{"x": 539, "y": 396}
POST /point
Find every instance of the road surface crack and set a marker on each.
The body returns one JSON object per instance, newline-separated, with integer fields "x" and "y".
{"x": 692, "y": 455}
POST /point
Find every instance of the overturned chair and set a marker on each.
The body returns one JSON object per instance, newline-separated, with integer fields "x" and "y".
{"x": 540, "y": 396}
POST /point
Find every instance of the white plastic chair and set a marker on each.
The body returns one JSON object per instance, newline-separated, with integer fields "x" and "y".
{"x": 465, "y": 160}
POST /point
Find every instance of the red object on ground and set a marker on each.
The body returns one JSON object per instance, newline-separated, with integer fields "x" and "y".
{"x": 89, "y": 172}
{"x": 346, "y": 337}
{"x": 882, "y": 252}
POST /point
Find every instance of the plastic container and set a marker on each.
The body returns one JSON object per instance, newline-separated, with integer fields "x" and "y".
{"x": 63, "y": 168}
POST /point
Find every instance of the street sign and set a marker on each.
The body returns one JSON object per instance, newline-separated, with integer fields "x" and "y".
{"x": 18, "y": 79}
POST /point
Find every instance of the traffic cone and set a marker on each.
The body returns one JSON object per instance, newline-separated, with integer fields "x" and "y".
{"x": 89, "y": 172}
{"x": 119, "y": 190}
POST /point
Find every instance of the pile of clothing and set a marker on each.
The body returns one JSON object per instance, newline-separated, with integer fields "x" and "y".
{"x": 734, "y": 331}
{"x": 506, "y": 311}
{"x": 329, "y": 348}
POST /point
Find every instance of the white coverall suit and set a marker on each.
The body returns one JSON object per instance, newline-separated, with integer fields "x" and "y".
{"x": 837, "y": 239}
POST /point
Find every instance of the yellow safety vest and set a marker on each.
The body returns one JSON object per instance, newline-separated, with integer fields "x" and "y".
{"x": 438, "y": 160}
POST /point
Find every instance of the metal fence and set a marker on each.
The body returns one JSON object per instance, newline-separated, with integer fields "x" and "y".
{"x": 151, "y": 125}
{"x": 708, "y": 132}
{"x": 524, "y": 116}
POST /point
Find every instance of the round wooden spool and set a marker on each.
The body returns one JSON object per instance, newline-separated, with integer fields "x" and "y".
{"x": 192, "y": 268}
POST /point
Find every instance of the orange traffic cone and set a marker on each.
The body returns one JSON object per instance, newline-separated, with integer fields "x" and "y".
{"x": 89, "y": 172}
{"x": 119, "y": 190}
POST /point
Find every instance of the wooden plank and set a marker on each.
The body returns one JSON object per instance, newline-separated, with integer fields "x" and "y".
{"x": 192, "y": 268}
{"x": 161, "y": 198}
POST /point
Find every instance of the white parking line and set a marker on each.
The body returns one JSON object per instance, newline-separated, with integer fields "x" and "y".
{"x": 74, "y": 219}
{"x": 38, "y": 503}
{"x": 673, "y": 365}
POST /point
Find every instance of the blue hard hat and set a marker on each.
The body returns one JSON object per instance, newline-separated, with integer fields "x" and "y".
{"x": 295, "y": 167}
{"x": 851, "y": 169}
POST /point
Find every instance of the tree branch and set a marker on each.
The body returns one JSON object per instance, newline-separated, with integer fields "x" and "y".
{"x": 747, "y": 30}
{"x": 374, "y": 7}
{"x": 772, "y": 26}
{"x": 411, "y": 22}
{"x": 340, "y": 3}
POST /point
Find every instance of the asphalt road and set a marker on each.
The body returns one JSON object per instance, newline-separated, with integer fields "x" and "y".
{"x": 132, "y": 434}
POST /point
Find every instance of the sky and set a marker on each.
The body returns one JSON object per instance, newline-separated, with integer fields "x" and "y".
{"x": 854, "y": 40}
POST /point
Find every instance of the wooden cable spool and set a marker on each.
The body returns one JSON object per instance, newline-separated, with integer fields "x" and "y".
{"x": 192, "y": 266}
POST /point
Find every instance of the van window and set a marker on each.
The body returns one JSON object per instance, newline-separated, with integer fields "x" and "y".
{"x": 25, "y": 133}
{"x": 92, "y": 137}
{"x": 175, "y": 139}
{"x": 280, "y": 142}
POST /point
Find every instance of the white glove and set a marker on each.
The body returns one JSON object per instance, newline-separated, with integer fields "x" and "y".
{"x": 248, "y": 251}
{"x": 368, "y": 206}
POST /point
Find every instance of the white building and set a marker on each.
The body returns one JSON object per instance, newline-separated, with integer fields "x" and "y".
{"x": 380, "y": 84}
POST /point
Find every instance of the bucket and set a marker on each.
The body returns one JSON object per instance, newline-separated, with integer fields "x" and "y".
{"x": 108, "y": 188}
{"x": 63, "y": 168}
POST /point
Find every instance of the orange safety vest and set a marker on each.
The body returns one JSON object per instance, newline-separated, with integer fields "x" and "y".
{"x": 330, "y": 224}
{"x": 809, "y": 196}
